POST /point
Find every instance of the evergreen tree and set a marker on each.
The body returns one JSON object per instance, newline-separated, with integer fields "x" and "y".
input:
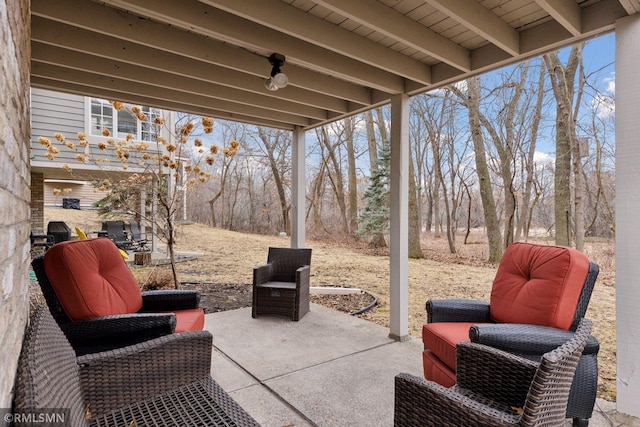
{"x": 374, "y": 219}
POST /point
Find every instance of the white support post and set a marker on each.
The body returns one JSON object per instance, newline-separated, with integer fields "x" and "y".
{"x": 399, "y": 231}
{"x": 298, "y": 184}
{"x": 627, "y": 208}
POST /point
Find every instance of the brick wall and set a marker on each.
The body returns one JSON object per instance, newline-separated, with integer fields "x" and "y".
{"x": 14, "y": 186}
{"x": 37, "y": 203}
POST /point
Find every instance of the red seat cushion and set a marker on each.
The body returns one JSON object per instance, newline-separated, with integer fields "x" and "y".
{"x": 441, "y": 339}
{"x": 91, "y": 279}
{"x": 539, "y": 285}
{"x": 189, "y": 320}
{"x": 435, "y": 370}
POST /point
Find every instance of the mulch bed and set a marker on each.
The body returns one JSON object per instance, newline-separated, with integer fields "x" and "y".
{"x": 215, "y": 297}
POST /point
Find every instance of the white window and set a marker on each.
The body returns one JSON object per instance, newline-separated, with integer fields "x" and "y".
{"x": 121, "y": 123}
{"x": 149, "y": 130}
{"x": 127, "y": 124}
{"x": 101, "y": 116}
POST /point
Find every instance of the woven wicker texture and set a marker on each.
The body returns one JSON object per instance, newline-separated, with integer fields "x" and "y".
{"x": 491, "y": 384}
{"x": 48, "y": 376}
{"x": 198, "y": 404}
{"x": 162, "y": 382}
{"x": 116, "y": 378}
{"x": 281, "y": 286}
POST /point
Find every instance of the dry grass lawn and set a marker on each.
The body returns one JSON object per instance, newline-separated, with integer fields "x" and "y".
{"x": 229, "y": 257}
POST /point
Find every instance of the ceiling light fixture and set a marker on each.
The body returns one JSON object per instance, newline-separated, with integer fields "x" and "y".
{"x": 278, "y": 79}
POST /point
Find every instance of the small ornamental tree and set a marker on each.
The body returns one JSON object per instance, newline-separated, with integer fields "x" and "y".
{"x": 374, "y": 219}
{"x": 156, "y": 167}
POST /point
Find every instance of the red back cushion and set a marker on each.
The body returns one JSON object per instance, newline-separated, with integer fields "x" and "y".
{"x": 91, "y": 279}
{"x": 538, "y": 284}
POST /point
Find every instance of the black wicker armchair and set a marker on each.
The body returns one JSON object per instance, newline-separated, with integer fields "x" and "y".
{"x": 159, "y": 313}
{"x": 494, "y": 388}
{"x": 527, "y": 272}
{"x": 281, "y": 286}
{"x": 155, "y": 383}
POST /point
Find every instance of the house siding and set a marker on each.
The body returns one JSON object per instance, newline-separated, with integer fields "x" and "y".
{"x": 81, "y": 190}
{"x": 55, "y": 112}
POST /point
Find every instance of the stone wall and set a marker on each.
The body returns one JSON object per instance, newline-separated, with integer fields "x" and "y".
{"x": 15, "y": 178}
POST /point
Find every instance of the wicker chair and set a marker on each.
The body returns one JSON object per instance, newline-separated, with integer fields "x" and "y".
{"x": 281, "y": 286}
{"x": 115, "y": 230}
{"x": 494, "y": 388}
{"x": 138, "y": 238}
{"x": 156, "y": 383}
{"x": 537, "y": 300}
{"x": 79, "y": 279}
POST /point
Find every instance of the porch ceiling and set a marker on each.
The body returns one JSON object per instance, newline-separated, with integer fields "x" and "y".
{"x": 342, "y": 57}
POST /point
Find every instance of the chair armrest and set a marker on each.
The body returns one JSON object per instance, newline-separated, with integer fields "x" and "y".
{"x": 526, "y": 340}
{"x": 303, "y": 276}
{"x": 46, "y": 238}
{"x": 169, "y": 300}
{"x": 261, "y": 274}
{"x": 109, "y": 332}
{"x": 117, "y": 378}
{"x": 457, "y": 310}
{"x": 494, "y": 374}
{"x": 418, "y": 402}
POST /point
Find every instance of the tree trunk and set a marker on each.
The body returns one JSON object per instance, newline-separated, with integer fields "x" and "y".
{"x": 336, "y": 179}
{"x": 353, "y": 177}
{"x": 523, "y": 218}
{"x": 567, "y": 150}
{"x": 488, "y": 203}
{"x": 277, "y": 175}
{"x": 415, "y": 251}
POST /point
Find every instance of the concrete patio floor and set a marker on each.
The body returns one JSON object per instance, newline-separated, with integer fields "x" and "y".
{"x": 329, "y": 369}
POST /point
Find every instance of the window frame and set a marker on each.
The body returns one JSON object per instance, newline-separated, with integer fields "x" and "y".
{"x": 139, "y": 135}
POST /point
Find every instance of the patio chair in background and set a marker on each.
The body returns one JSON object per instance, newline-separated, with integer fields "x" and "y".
{"x": 83, "y": 236}
{"x": 281, "y": 286}
{"x": 494, "y": 388}
{"x": 539, "y": 295}
{"x": 115, "y": 230}
{"x": 162, "y": 382}
{"x": 41, "y": 241}
{"x": 59, "y": 230}
{"x": 139, "y": 239}
{"x": 97, "y": 302}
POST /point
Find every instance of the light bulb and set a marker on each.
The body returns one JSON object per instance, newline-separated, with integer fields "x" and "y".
{"x": 281, "y": 80}
{"x": 270, "y": 84}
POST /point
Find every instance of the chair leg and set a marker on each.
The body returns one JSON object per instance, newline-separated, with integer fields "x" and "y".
{"x": 580, "y": 422}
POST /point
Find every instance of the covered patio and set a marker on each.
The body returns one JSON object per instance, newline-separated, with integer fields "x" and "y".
{"x": 329, "y": 369}
{"x": 342, "y": 57}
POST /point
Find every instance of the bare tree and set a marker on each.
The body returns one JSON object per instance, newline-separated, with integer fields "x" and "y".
{"x": 472, "y": 100}
{"x": 276, "y": 143}
{"x": 507, "y": 136}
{"x": 229, "y": 130}
{"x": 524, "y": 218}
{"x": 438, "y": 118}
{"x": 414, "y": 250}
{"x": 331, "y": 146}
{"x": 352, "y": 174}
{"x": 567, "y": 146}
